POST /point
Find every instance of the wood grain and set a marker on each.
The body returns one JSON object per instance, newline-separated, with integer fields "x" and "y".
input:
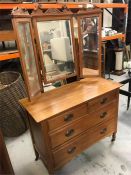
{"x": 60, "y": 136}
{"x": 64, "y": 154}
{"x": 66, "y": 97}
{"x": 67, "y": 117}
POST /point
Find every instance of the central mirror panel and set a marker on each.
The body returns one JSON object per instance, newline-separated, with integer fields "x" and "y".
{"x": 56, "y": 49}
{"x": 90, "y": 48}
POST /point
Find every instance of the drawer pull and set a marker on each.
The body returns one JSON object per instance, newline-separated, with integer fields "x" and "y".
{"x": 103, "y": 101}
{"x": 103, "y": 131}
{"x": 71, "y": 150}
{"x": 103, "y": 115}
{"x": 68, "y": 117}
{"x": 69, "y": 132}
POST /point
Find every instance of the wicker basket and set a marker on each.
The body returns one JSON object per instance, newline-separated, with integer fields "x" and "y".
{"x": 12, "y": 115}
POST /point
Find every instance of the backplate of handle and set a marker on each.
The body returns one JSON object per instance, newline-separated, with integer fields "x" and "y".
{"x": 103, "y": 115}
{"x": 69, "y": 132}
{"x": 103, "y": 131}
{"x": 68, "y": 117}
{"x": 103, "y": 101}
{"x": 71, "y": 150}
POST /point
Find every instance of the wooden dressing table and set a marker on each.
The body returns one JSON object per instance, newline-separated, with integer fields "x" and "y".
{"x": 67, "y": 120}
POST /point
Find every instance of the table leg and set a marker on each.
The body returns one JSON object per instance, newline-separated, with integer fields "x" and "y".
{"x": 129, "y": 90}
{"x": 113, "y": 137}
{"x": 37, "y": 155}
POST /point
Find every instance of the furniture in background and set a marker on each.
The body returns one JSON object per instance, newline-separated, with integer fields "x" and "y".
{"x": 119, "y": 24}
{"x": 7, "y": 53}
{"x": 126, "y": 93}
{"x": 13, "y": 118}
{"x": 5, "y": 164}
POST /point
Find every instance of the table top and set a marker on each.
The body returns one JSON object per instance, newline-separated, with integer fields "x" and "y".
{"x": 68, "y": 96}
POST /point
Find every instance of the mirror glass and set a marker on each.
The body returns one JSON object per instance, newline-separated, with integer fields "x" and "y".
{"x": 90, "y": 48}
{"x": 57, "y": 48}
{"x": 28, "y": 57}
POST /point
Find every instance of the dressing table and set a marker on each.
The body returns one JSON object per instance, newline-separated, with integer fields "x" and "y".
{"x": 67, "y": 120}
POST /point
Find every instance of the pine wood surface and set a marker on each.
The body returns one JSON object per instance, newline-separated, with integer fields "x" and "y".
{"x": 66, "y": 97}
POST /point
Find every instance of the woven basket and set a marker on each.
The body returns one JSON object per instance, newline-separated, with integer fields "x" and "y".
{"x": 12, "y": 115}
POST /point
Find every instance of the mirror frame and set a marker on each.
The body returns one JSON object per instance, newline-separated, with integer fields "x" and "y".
{"x": 21, "y": 16}
{"x": 52, "y": 15}
{"x": 84, "y": 13}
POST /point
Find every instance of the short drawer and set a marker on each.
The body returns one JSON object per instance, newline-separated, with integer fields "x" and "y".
{"x": 69, "y": 151}
{"x": 60, "y": 136}
{"x": 102, "y": 101}
{"x": 67, "y": 117}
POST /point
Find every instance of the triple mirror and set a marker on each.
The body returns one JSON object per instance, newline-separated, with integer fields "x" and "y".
{"x": 48, "y": 48}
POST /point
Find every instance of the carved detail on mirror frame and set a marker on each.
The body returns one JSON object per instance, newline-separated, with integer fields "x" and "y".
{"x": 37, "y": 10}
{"x": 19, "y": 12}
{"x": 51, "y": 11}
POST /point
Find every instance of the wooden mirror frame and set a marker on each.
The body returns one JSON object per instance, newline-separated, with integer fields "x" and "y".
{"x": 52, "y": 15}
{"x": 85, "y": 13}
{"x": 21, "y": 16}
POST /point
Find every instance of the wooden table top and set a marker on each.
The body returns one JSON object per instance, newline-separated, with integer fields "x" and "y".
{"x": 63, "y": 98}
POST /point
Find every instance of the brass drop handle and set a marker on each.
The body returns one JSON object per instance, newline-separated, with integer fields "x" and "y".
{"x": 68, "y": 117}
{"x": 103, "y": 115}
{"x": 71, "y": 150}
{"x": 103, "y": 131}
{"x": 69, "y": 132}
{"x": 103, "y": 101}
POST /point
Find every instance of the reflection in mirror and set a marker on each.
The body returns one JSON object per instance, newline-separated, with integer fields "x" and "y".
{"x": 89, "y": 29}
{"x": 28, "y": 58}
{"x": 57, "y": 48}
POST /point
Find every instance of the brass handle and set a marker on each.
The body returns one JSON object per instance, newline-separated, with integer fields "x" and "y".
{"x": 103, "y": 131}
{"x": 68, "y": 117}
{"x": 103, "y": 101}
{"x": 69, "y": 132}
{"x": 103, "y": 115}
{"x": 71, "y": 150}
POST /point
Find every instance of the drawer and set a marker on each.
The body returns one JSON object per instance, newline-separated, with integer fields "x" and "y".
{"x": 60, "y": 136}
{"x": 67, "y": 152}
{"x": 67, "y": 117}
{"x": 102, "y": 101}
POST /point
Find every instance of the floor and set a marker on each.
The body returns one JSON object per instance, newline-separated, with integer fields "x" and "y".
{"x": 103, "y": 158}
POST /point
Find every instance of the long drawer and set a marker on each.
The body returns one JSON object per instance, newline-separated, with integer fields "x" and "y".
{"x": 67, "y": 152}
{"x": 67, "y": 117}
{"x": 102, "y": 101}
{"x": 60, "y": 136}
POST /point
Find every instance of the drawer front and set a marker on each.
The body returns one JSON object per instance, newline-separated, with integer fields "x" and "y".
{"x": 66, "y": 153}
{"x": 67, "y": 117}
{"x": 86, "y": 122}
{"x": 102, "y": 101}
